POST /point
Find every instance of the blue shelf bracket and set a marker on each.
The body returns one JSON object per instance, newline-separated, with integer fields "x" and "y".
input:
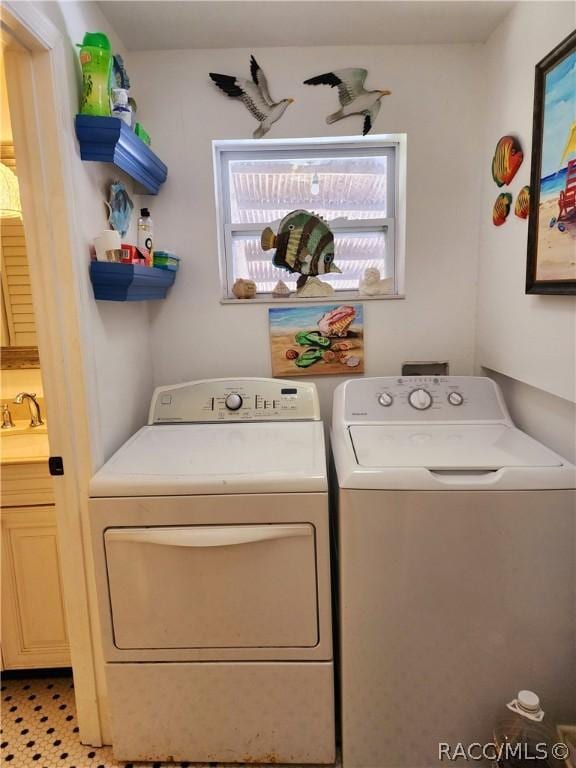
{"x": 110, "y": 140}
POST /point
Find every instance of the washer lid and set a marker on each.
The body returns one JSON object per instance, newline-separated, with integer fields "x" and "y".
{"x": 446, "y": 447}
{"x": 216, "y": 458}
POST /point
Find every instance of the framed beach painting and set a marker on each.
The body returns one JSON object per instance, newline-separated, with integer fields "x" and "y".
{"x": 551, "y": 263}
{"x": 315, "y": 340}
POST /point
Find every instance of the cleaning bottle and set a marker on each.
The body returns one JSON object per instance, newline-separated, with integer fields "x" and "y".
{"x": 121, "y": 106}
{"x": 96, "y": 61}
{"x": 522, "y": 737}
{"x": 146, "y": 234}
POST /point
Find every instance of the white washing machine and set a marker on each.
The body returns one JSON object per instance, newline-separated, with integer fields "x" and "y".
{"x": 456, "y": 555}
{"x": 211, "y": 546}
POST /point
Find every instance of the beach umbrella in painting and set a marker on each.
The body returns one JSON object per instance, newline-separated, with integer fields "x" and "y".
{"x": 570, "y": 147}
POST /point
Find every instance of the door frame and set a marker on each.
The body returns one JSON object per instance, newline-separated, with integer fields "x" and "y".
{"x": 35, "y": 58}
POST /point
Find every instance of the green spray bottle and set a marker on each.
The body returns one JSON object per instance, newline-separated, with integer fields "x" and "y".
{"x": 96, "y": 61}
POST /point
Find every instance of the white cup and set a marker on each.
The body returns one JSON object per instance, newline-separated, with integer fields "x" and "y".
{"x": 108, "y": 240}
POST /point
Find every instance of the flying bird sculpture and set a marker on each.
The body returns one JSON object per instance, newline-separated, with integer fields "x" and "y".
{"x": 255, "y": 96}
{"x": 354, "y": 98}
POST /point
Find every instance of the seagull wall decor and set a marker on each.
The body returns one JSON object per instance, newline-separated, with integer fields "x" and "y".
{"x": 255, "y": 96}
{"x": 354, "y": 98}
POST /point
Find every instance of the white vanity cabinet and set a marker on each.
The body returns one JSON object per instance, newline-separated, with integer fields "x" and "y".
{"x": 33, "y": 619}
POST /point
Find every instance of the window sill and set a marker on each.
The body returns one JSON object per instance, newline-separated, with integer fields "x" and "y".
{"x": 335, "y": 298}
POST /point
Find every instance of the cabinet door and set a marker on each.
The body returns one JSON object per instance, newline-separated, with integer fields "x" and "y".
{"x": 33, "y": 624}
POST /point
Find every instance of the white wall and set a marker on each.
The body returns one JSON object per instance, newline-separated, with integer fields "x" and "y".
{"x": 530, "y": 339}
{"x": 116, "y": 336}
{"x": 548, "y": 418}
{"x": 435, "y": 101}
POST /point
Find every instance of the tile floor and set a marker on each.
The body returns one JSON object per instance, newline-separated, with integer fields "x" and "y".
{"x": 39, "y": 729}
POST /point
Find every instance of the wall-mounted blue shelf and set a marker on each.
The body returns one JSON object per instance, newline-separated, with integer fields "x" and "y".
{"x": 129, "y": 282}
{"x": 110, "y": 140}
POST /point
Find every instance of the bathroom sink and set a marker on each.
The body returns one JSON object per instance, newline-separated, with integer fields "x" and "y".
{"x": 23, "y": 443}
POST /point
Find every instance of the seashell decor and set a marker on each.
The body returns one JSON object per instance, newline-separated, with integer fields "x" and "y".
{"x": 244, "y": 289}
{"x": 314, "y": 288}
{"x": 372, "y": 284}
{"x": 281, "y": 290}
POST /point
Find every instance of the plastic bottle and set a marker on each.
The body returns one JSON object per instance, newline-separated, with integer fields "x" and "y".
{"x": 522, "y": 737}
{"x": 146, "y": 233}
{"x": 121, "y": 107}
{"x": 96, "y": 61}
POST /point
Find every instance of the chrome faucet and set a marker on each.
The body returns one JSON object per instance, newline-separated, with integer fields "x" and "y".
{"x": 35, "y": 416}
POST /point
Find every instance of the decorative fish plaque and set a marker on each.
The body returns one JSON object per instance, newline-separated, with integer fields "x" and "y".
{"x": 522, "y": 206}
{"x": 304, "y": 244}
{"x": 501, "y": 208}
{"x": 507, "y": 159}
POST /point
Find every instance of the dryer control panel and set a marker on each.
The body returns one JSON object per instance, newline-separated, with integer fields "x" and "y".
{"x": 423, "y": 399}
{"x": 226, "y": 400}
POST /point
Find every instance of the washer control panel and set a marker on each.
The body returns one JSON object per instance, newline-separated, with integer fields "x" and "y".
{"x": 226, "y": 400}
{"x": 423, "y": 398}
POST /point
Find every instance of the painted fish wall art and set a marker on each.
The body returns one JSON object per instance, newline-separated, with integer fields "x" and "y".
{"x": 354, "y": 98}
{"x": 304, "y": 244}
{"x": 255, "y": 95}
{"x": 522, "y": 205}
{"x": 501, "y": 208}
{"x": 507, "y": 159}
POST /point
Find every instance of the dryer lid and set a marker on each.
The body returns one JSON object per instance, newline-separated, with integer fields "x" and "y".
{"x": 216, "y": 458}
{"x": 448, "y": 447}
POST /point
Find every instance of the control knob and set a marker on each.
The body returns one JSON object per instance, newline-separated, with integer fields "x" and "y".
{"x": 455, "y": 398}
{"x": 420, "y": 399}
{"x": 385, "y": 399}
{"x": 233, "y": 402}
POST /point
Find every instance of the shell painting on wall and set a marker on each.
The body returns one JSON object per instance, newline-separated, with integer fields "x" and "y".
{"x": 507, "y": 159}
{"x": 521, "y": 208}
{"x": 501, "y": 208}
{"x": 317, "y": 340}
{"x": 255, "y": 96}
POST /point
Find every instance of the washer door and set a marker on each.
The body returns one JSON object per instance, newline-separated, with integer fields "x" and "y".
{"x": 242, "y": 586}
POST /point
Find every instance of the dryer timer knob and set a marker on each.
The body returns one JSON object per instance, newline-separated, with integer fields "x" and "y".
{"x": 420, "y": 399}
{"x": 233, "y": 402}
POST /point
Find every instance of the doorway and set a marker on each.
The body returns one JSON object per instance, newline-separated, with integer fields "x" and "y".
{"x": 33, "y": 617}
{"x": 32, "y": 51}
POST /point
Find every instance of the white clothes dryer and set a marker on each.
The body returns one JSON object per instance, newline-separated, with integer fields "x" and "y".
{"x": 211, "y": 546}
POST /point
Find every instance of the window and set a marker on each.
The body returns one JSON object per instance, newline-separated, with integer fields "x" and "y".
{"x": 356, "y": 185}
